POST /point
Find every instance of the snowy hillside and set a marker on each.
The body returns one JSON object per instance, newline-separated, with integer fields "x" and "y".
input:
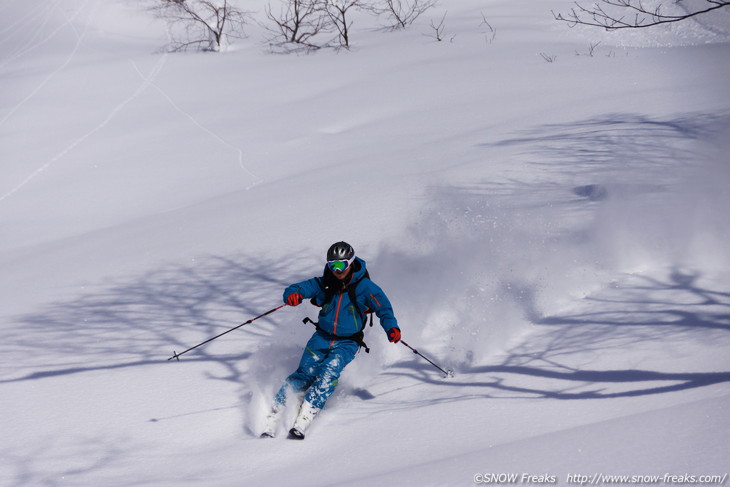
{"x": 546, "y": 208}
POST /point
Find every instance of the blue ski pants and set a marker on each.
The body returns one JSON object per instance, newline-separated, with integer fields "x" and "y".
{"x": 319, "y": 369}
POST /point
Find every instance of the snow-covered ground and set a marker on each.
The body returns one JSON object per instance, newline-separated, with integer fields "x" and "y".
{"x": 555, "y": 232}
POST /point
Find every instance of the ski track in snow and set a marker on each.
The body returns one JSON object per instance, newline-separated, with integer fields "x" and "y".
{"x": 166, "y": 96}
{"x": 147, "y": 81}
{"x": 79, "y": 41}
{"x": 115, "y": 111}
{"x": 39, "y": 21}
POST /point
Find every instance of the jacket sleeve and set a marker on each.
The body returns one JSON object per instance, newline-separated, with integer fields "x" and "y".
{"x": 379, "y": 303}
{"x": 308, "y": 289}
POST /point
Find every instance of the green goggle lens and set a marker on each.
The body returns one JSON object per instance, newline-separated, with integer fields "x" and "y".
{"x": 338, "y": 265}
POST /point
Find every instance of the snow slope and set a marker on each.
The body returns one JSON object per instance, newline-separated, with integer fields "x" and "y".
{"x": 555, "y": 232}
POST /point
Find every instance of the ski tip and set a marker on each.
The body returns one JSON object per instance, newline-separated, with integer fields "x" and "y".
{"x": 295, "y": 434}
{"x": 266, "y": 434}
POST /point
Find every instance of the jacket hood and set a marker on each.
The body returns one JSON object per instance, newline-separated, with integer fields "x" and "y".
{"x": 358, "y": 269}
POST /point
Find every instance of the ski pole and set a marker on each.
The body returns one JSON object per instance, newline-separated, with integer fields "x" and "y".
{"x": 447, "y": 373}
{"x": 176, "y": 355}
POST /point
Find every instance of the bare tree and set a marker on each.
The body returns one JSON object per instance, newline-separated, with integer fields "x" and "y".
{"x": 299, "y": 22}
{"x": 624, "y": 14}
{"x": 548, "y": 58}
{"x": 403, "y": 13}
{"x": 206, "y": 24}
{"x": 492, "y": 33}
{"x": 338, "y": 12}
{"x": 591, "y": 49}
{"x": 437, "y": 30}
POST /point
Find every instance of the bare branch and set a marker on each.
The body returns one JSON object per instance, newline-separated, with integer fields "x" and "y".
{"x": 338, "y": 12}
{"x": 437, "y": 30}
{"x": 636, "y": 14}
{"x": 548, "y": 58}
{"x": 203, "y": 23}
{"x": 403, "y": 13}
{"x": 299, "y": 22}
{"x": 492, "y": 34}
{"x": 591, "y": 49}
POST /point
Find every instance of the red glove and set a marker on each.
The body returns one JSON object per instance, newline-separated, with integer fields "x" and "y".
{"x": 394, "y": 335}
{"x": 294, "y": 299}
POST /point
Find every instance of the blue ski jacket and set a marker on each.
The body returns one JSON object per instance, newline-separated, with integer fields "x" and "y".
{"x": 340, "y": 317}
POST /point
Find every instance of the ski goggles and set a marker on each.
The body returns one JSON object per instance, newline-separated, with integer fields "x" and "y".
{"x": 339, "y": 265}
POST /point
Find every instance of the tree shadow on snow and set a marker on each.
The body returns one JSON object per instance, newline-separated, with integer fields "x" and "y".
{"x": 645, "y": 310}
{"x": 140, "y": 320}
{"x": 620, "y": 138}
{"x": 135, "y": 323}
{"x": 603, "y": 152}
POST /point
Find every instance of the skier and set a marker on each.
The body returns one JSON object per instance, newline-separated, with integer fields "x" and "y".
{"x": 345, "y": 294}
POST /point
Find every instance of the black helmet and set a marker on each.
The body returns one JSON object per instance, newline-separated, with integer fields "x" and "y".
{"x": 340, "y": 251}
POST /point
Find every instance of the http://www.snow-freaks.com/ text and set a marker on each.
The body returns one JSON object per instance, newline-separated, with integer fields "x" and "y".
{"x": 598, "y": 479}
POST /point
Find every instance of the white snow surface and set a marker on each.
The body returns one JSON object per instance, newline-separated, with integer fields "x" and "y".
{"x": 555, "y": 232}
